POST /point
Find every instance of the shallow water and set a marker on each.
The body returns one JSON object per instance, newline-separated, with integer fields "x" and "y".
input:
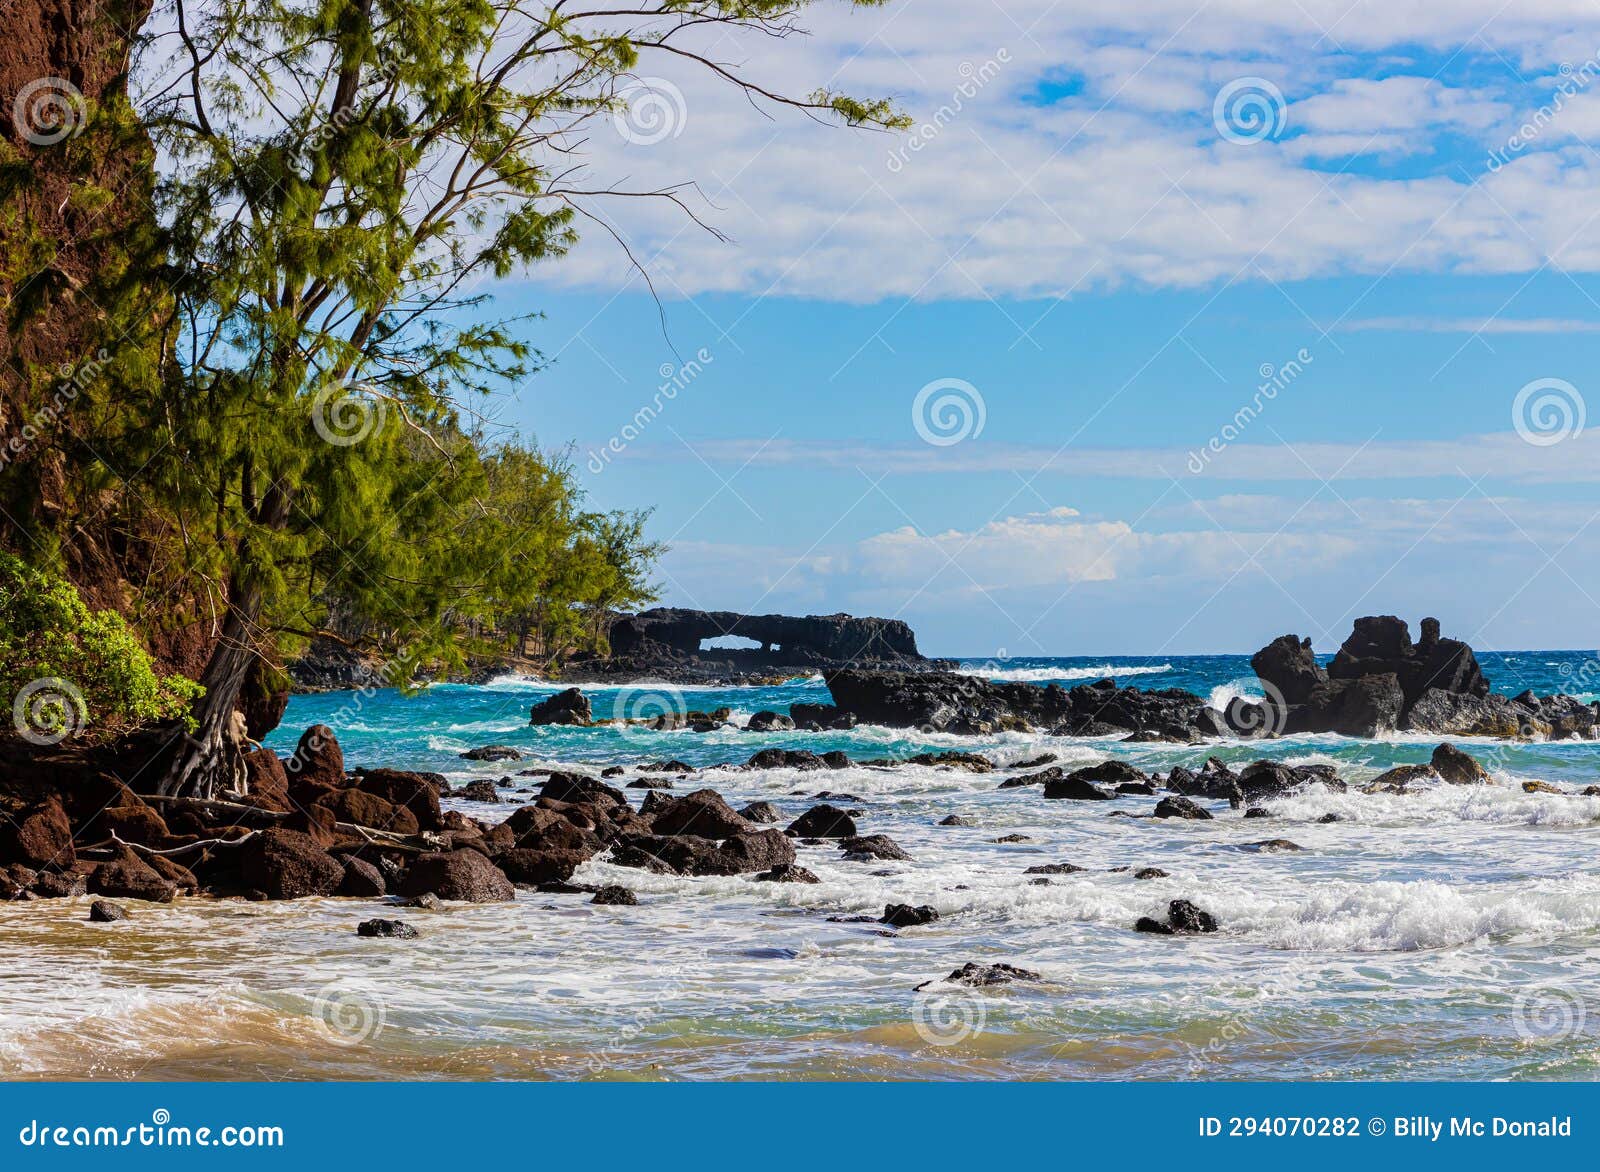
{"x": 1450, "y": 934}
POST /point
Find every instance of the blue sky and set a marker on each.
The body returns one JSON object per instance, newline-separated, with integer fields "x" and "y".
{"x": 1108, "y": 259}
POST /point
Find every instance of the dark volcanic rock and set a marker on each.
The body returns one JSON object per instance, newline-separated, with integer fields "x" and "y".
{"x": 1054, "y": 869}
{"x": 615, "y": 895}
{"x": 103, "y": 911}
{"x": 866, "y": 848}
{"x": 534, "y": 867}
{"x": 1181, "y": 807}
{"x": 130, "y": 877}
{"x": 703, "y": 813}
{"x": 481, "y": 790}
{"x": 568, "y": 707}
{"x": 786, "y": 759}
{"x": 823, "y": 821}
{"x": 760, "y": 812}
{"x": 387, "y": 930}
{"x": 769, "y": 722}
{"x": 317, "y": 759}
{"x": 1151, "y": 873}
{"x": 688, "y": 854}
{"x": 39, "y": 836}
{"x": 981, "y": 976}
{"x": 1183, "y": 919}
{"x": 954, "y": 759}
{"x": 787, "y": 873}
{"x": 956, "y": 820}
{"x": 903, "y": 915}
{"x": 1077, "y": 787}
{"x": 493, "y": 753}
{"x": 1457, "y": 767}
{"x": 463, "y": 874}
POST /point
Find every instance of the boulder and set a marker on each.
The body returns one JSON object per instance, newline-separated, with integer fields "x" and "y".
{"x": 823, "y": 821}
{"x": 982, "y": 976}
{"x": 687, "y": 854}
{"x": 1151, "y": 873}
{"x": 103, "y": 911}
{"x": 1183, "y": 919}
{"x": 56, "y": 885}
{"x": 481, "y": 790}
{"x": 266, "y": 780}
{"x": 366, "y": 809}
{"x": 785, "y": 759}
{"x": 1054, "y": 869}
{"x": 760, "y": 812}
{"x": 787, "y": 873}
{"x": 870, "y": 847}
{"x": 493, "y": 753}
{"x": 361, "y": 880}
{"x": 615, "y": 895}
{"x": 956, "y": 820}
{"x": 386, "y": 930}
{"x": 568, "y": 707}
{"x": 1181, "y": 807}
{"x": 1076, "y": 787}
{"x": 533, "y": 867}
{"x": 903, "y": 915}
{"x": 463, "y": 875}
{"x": 129, "y": 877}
{"x": 37, "y": 836}
{"x": 769, "y": 722}
{"x": 1395, "y": 780}
{"x": 703, "y": 813}
{"x": 286, "y": 864}
{"x": 1290, "y": 668}
{"x": 1458, "y": 768}
{"x": 317, "y": 759}
{"x": 417, "y": 792}
{"x": 954, "y": 759}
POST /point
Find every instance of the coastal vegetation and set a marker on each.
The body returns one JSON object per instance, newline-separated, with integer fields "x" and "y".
{"x": 252, "y": 358}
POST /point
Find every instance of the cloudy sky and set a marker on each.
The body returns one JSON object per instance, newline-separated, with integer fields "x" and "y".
{"x": 1169, "y": 328}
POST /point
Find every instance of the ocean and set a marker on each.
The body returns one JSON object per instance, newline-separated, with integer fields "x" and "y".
{"x": 1452, "y": 933}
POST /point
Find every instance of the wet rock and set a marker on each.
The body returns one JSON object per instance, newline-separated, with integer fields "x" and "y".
{"x": 1458, "y": 768}
{"x": 38, "y": 836}
{"x": 903, "y": 915}
{"x": 956, "y": 820}
{"x": 688, "y": 854}
{"x": 786, "y": 759}
{"x": 362, "y": 880}
{"x": 58, "y": 885}
{"x": 1137, "y": 788}
{"x": 769, "y": 722}
{"x": 387, "y": 930}
{"x": 103, "y": 911}
{"x": 787, "y": 873}
{"x": 703, "y": 813}
{"x": 1182, "y": 807}
{"x": 1183, "y": 919}
{"x": 821, "y": 715}
{"x": 615, "y": 895}
{"x": 823, "y": 821}
{"x": 1039, "y": 882}
{"x": 1539, "y": 787}
{"x": 954, "y": 759}
{"x": 1258, "y": 812}
{"x": 568, "y": 707}
{"x": 763, "y": 812}
{"x": 493, "y": 753}
{"x": 1075, "y": 787}
{"x": 416, "y": 792}
{"x": 1151, "y": 873}
{"x": 1273, "y": 846}
{"x": 479, "y": 791}
{"x": 612, "y": 771}
{"x": 982, "y": 976}
{"x": 869, "y": 847}
{"x": 1591, "y": 791}
{"x": 133, "y": 823}
{"x": 537, "y": 867}
{"x": 1038, "y": 762}
{"x": 361, "y": 808}
{"x": 1023, "y": 780}
{"x": 464, "y": 875}
{"x": 580, "y": 789}
{"x": 1054, "y": 869}
{"x": 427, "y": 901}
{"x": 1009, "y": 838}
{"x": 130, "y": 877}
{"x": 649, "y": 783}
{"x": 1397, "y": 779}
{"x": 286, "y": 864}
{"x": 836, "y": 759}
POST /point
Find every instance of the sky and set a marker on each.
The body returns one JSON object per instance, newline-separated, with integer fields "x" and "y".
{"x": 1168, "y": 329}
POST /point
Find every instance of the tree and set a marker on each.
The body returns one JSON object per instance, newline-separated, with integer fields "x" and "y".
{"x": 341, "y": 172}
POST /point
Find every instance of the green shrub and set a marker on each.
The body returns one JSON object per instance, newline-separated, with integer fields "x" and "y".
{"x": 68, "y": 670}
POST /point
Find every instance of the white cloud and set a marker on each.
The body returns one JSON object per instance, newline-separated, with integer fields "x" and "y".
{"x": 1124, "y": 178}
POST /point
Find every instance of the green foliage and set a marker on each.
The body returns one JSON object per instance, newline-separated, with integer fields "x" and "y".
{"x": 47, "y": 632}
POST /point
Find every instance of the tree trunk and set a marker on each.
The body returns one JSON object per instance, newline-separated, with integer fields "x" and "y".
{"x": 211, "y": 759}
